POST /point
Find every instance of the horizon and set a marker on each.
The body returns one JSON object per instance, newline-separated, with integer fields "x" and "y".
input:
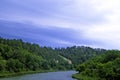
{"x": 62, "y": 23}
{"x": 42, "y": 46}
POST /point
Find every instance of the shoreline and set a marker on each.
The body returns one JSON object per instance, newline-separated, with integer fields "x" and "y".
{"x": 13, "y": 74}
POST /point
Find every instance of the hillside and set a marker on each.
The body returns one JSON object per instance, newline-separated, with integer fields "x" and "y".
{"x": 79, "y": 54}
{"x": 17, "y": 56}
{"x": 68, "y": 60}
{"x": 103, "y": 67}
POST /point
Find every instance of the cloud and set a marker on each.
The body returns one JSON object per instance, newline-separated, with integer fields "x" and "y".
{"x": 86, "y": 22}
{"x": 107, "y": 32}
{"x": 42, "y": 35}
{"x": 63, "y": 13}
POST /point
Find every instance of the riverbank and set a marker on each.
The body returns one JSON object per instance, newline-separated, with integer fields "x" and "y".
{"x": 82, "y": 77}
{"x": 11, "y": 74}
{"x": 59, "y": 75}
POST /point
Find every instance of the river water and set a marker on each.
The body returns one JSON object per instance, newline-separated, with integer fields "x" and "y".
{"x": 61, "y": 75}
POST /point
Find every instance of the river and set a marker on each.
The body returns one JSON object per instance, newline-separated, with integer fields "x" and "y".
{"x": 61, "y": 75}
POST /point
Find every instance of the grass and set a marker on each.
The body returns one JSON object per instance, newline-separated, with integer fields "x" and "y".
{"x": 82, "y": 77}
{"x": 11, "y": 74}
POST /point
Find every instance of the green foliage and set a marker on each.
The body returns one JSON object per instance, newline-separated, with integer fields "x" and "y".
{"x": 17, "y": 56}
{"x": 14, "y": 65}
{"x": 107, "y": 67}
{"x": 82, "y": 77}
{"x": 79, "y": 54}
{"x": 2, "y": 65}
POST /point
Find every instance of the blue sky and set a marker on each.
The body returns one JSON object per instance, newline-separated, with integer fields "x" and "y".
{"x": 61, "y": 23}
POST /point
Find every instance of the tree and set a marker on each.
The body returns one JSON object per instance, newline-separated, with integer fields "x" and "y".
{"x": 2, "y": 65}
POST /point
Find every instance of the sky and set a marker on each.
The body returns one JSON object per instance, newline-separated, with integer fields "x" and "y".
{"x": 62, "y": 23}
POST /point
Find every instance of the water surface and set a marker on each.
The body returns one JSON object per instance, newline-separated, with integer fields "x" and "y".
{"x": 61, "y": 75}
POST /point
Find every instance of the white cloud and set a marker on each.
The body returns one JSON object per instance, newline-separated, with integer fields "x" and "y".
{"x": 97, "y": 20}
{"x": 107, "y": 32}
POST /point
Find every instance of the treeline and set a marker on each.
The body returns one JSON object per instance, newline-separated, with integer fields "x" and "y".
{"x": 18, "y": 56}
{"x": 79, "y": 54}
{"x": 103, "y": 67}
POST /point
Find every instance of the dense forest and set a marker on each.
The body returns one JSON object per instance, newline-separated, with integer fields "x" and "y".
{"x": 17, "y": 56}
{"x": 79, "y": 54}
{"x": 103, "y": 67}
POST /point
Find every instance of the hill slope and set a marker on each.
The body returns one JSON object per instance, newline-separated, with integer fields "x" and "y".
{"x": 17, "y": 56}
{"x": 103, "y": 67}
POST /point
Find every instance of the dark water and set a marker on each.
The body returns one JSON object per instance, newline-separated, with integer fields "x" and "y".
{"x": 62, "y": 75}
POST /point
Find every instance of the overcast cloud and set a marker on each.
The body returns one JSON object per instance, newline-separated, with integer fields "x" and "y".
{"x": 60, "y": 23}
